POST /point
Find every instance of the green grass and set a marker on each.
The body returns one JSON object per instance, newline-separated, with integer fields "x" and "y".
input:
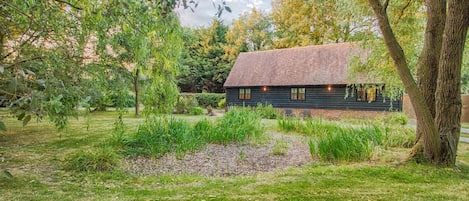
{"x": 35, "y": 155}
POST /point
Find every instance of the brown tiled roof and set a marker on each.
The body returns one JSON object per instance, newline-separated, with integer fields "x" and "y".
{"x": 312, "y": 65}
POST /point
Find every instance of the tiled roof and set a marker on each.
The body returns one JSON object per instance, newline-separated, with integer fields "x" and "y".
{"x": 312, "y": 65}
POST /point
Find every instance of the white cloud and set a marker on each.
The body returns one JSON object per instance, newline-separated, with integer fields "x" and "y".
{"x": 206, "y": 11}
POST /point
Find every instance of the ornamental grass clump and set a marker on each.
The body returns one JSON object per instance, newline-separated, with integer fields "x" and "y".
{"x": 158, "y": 136}
{"x": 237, "y": 125}
{"x": 346, "y": 144}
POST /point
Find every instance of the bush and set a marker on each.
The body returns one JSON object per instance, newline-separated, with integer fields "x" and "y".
{"x": 222, "y": 103}
{"x": 185, "y": 104}
{"x": 346, "y": 144}
{"x": 267, "y": 111}
{"x": 196, "y": 111}
{"x": 104, "y": 159}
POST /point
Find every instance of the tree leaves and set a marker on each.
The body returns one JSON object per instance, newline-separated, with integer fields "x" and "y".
{"x": 2, "y": 126}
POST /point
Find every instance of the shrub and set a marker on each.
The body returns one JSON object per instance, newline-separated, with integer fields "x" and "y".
{"x": 222, "y": 103}
{"x": 267, "y": 111}
{"x": 196, "y": 111}
{"x": 206, "y": 99}
{"x": 104, "y": 159}
{"x": 185, "y": 104}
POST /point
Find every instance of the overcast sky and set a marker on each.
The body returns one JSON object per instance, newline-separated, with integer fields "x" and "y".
{"x": 205, "y": 11}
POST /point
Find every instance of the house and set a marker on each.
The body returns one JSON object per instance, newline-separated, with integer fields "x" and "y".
{"x": 313, "y": 77}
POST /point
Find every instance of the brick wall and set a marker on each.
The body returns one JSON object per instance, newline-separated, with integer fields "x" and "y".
{"x": 409, "y": 110}
{"x": 332, "y": 114}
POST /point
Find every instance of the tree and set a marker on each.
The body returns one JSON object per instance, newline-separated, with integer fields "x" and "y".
{"x": 204, "y": 66}
{"x": 148, "y": 43}
{"x": 315, "y": 22}
{"x": 445, "y": 35}
{"x": 47, "y": 63}
{"x": 252, "y": 31}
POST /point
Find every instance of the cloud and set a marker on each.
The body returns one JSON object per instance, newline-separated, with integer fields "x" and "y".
{"x": 206, "y": 11}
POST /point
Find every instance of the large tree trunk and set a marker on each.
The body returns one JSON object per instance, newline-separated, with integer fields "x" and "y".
{"x": 427, "y": 71}
{"x": 448, "y": 93}
{"x": 137, "y": 92}
{"x": 422, "y": 112}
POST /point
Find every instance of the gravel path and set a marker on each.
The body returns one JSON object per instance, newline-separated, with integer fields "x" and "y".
{"x": 226, "y": 160}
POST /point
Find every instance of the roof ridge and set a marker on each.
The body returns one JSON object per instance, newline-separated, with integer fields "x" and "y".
{"x": 302, "y": 47}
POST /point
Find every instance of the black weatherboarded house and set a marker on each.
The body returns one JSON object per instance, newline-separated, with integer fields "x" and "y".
{"x": 313, "y": 77}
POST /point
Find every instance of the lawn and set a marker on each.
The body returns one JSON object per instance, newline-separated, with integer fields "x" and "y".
{"x": 34, "y": 155}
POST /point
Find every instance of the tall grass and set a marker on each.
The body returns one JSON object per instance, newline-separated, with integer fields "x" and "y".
{"x": 237, "y": 125}
{"x": 267, "y": 111}
{"x": 158, "y": 136}
{"x": 103, "y": 159}
{"x": 346, "y": 144}
{"x": 309, "y": 126}
{"x": 161, "y": 135}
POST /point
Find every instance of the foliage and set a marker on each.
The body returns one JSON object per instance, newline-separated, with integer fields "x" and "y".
{"x": 185, "y": 103}
{"x": 398, "y": 136}
{"x": 237, "y": 125}
{"x": 196, "y": 111}
{"x": 389, "y": 179}
{"x": 158, "y": 136}
{"x": 252, "y": 31}
{"x": 306, "y": 22}
{"x": 55, "y": 55}
{"x": 280, "y": 147}
{"x": 346, "y": 144}
{"x": 104, "y": 159}
{"x": 204, "y": 68}
{"x": 394, "y": 118}
{"x": 204, "y": 99}
{"x": 222, "y": 103}
{"x": 267, "y": 111}
{"x": 161, "y": 135}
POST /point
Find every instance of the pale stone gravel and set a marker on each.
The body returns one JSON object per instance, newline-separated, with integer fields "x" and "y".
{"x": 227, "y": 160}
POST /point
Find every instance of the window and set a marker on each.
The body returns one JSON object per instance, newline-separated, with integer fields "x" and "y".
{"x": 366, "y": 94}
{"x": 244, "y": 93}
{"x": 297, "y": 94}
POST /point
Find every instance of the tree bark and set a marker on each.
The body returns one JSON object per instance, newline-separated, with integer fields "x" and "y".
{"x": 448, "y": 92}
{"x": 427, "y": 71}
{"x": 137, "y": 92}
{"x": 423, "y": 114}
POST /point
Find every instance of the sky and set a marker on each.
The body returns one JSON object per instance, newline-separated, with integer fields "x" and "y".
{"x": 206, "y": 11}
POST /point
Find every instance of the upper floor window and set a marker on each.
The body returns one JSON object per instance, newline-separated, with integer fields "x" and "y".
{"x": 297, "y": 93}
{"x": 244, "y": 93}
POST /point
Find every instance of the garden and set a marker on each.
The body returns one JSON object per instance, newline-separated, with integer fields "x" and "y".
{"x": 245, "y": 153}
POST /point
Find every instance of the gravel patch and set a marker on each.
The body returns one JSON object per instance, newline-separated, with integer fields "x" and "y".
{"x": 227, "y": 160}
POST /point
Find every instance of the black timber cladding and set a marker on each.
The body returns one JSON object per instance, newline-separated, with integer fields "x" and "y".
{"x": 316, "y": 97}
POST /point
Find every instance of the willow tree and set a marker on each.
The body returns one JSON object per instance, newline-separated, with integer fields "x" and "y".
{"x": 436, "y": 98}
